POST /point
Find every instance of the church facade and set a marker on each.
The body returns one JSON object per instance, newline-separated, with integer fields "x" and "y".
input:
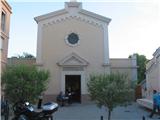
{"x": 72, "y": 43}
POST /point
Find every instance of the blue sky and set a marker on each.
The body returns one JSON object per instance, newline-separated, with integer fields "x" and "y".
{"x": 134, "y": 27}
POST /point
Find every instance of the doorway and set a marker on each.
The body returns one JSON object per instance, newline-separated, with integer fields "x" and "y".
{"x": 73, "y": 82}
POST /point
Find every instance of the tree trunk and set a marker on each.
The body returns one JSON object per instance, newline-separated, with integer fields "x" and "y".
{"x": 109, "y": 114}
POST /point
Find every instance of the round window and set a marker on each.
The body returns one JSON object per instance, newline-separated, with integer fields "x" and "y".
{"x": 73, "y": 38}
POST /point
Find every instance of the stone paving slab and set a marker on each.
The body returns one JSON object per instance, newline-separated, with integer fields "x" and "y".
{"x": 91, "y": 112}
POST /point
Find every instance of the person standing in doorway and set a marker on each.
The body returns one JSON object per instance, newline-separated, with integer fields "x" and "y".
{"x": 69, "y": 95}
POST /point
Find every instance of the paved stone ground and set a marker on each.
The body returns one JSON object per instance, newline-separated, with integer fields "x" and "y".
{"x": 91, "y": 112}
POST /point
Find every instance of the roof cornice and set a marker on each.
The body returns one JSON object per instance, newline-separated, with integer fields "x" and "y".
{"x": 78, "y": 10}
{"x": 50, "y": 15}
{"x": 157, "y": 52}
{"x": 7, "y": 5}
{"x": 95, "y": 16}
{"x": 70, "y": 57}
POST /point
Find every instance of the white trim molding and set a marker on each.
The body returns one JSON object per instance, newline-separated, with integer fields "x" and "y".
{"x": 73, "y": 10}
{"x": 67, "y": 41}
{"x": 73, "y": 60}
{"x": 39, "y": 45}
{"x": 106, "y": 46}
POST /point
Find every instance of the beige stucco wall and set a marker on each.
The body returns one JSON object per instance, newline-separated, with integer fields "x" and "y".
{"x": 54, "y": 48}
{"x": 122, "y": 65}
{"x": 125, "y": 66}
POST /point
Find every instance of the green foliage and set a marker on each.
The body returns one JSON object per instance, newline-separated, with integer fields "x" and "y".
{"x": 24, "y": 82}
{"x": 25, "y": 55}
{"x": 141, "y": 63}
{"x": 109, "y": 90}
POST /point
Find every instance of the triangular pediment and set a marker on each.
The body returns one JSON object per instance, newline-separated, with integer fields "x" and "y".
{"x": 73, "y": 60}
{"x": 72, "y": 10}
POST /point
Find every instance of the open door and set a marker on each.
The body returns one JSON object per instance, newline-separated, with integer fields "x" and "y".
{"x": 73, "y": 82}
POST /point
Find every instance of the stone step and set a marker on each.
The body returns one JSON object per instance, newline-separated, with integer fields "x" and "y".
{"x": 145, "y": 103}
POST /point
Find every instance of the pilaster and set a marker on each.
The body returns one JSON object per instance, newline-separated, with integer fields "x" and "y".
{"x": 106, "y": 49}
{"x": 39, "y": 44}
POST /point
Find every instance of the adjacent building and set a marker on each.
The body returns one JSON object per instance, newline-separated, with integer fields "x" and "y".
{"x": 72, "y": 43}
{"x": 153, "y": 74}
{"x": 5, "y": 13}
{"x": 152, "y": 81}
{"x": 4, "y": 31}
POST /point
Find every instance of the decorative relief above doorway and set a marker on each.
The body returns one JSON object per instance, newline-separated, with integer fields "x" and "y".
{"x": 73, "y": 60}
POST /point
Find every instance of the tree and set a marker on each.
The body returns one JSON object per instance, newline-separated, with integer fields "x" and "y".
{"x": 24, "y": 82}
{"x": 141, "y": 63}
{"x": 109, "y": 90}
{"x": 25, "y": 55}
